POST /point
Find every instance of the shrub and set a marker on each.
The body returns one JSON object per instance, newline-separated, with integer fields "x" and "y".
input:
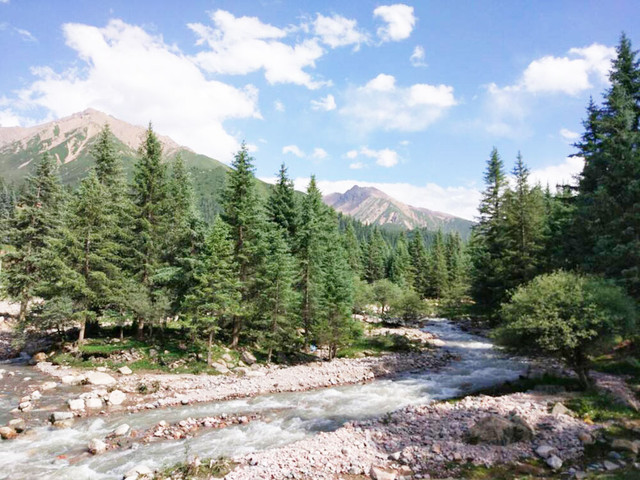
{"x": 385, "y": 293}
{"x": 409, "y": 306}
{"x": 568, "y": 316}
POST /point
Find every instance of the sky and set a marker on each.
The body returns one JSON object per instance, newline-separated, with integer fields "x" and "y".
{"x": 406, "y": 97}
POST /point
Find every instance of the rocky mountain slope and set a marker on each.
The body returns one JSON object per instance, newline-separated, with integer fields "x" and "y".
{"x": 374, "y": 207}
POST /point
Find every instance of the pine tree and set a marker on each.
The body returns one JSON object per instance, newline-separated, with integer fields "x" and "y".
{"x": 35, "y": 222}
{"x": 488, "y": 238}
{"x": 311, "y": 243}
{"x": 400, "y": 264}
{"x": 243, "y": 213}
{"x": 277, "y": 299}
{"x": 215, "y": 294}
{"x": 150, "y": 190}
{"x": 524, "y": 229}
{"x": 439, "y": 276}
{"x": 419, "y": 265}
{"x": 457, "y": 284}
{"x": 352, "y": 249}
{"x": 376, "y": 259}
{"x": 281, "y": 205}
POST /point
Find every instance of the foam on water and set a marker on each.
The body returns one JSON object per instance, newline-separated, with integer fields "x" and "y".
{"x": 292, "y": 416}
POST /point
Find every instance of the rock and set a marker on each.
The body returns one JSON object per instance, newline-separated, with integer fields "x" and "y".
{"x": 586, "y": 438}
{"x": 63, "y": 423}
{"x": 36, "y": 395}
{"x": 48, "y": 386}
{"x": 76, "y": 404}
{"x": 25, "y": 406}
{"x": 137, "y": 472}
{"x": 93, "y": 403}
{"x": 60, "y": 416}
{"x": 554, "y": 462}
{"x": 96, "y": 446}
{"x": 39, "y": 357}
{"x": 544, "y": 451}
{"x": 609, "y": 466}
{"x": 71, "y": 379}
{"x": 7, "y": 433}
{"x": 622, "y": 444}
{"x": 116, "y": 397}
{"x": 18, "y": 424}
{"x": 125, "y": 370}
{"x": 248, "y": 358}
{"x": 121, "y": 430}
{"x": 99, "y": 378}
{"x": 101, "y": 369}
{"x": 581, "y": 475}
{"x": 218, "y": 367}
{"x": 241, "y": 371}
{"x": 497, "y": 430}
{"x": 227, "y": 358}
{"x": 560, "y": 409}
{"x": 379, "y": 473}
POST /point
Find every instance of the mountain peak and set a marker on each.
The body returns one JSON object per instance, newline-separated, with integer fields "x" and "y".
{"x": 373, "y": 206}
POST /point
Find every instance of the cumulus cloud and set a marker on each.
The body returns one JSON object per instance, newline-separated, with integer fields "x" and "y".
{"x": 380, "y": 104}
{"x": 560, "y": 174}
{"x": 399, "y": 21}
{"x": 240, "y": 45}
{"x": 294, "y": 150}
{"x": 356, "y": 165}
{"x": 338, "y": 31}
{"x": 385, "y": 157}
{"x": 319, "y": 153}
{"x": 127, "y": 73}
{"x": 327, "y": 103}
{"x": 569, "y": 135}
{"x": 279, "y": 106}
{"x": 417, "y": 58}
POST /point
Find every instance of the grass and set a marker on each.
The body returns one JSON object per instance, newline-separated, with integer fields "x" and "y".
{"x": 208, "y": 468}
{"x": 379, "y": 345}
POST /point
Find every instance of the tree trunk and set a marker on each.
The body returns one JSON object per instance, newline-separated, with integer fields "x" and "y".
{"x": 83, "y": 326}
{"x": 121, "y": 333}
{"x": 140, "y": 330}
{"x": 24, "y": 304}
{"x": 209, "y": 346}
{"x": 235, "y": 334}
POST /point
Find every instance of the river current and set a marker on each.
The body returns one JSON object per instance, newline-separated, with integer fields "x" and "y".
{"x": 48, "y": 453}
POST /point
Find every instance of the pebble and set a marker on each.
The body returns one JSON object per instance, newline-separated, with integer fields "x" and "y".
{"x": 554, "y": 462}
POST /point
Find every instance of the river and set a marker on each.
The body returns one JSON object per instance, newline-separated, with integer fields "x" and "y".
{"x": 48, "y": 453}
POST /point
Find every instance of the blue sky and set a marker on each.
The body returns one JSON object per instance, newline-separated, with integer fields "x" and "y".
{"x": 409, "y": 97}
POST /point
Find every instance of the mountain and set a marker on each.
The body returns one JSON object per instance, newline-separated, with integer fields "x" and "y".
{"x": 374, "y": 207}
{"x": 69, "y": 140}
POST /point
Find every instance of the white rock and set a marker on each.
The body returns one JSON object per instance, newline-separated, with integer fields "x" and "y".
{"x": 125, "y": 370}
{"x": 610, "y": 465}
{"x": 544, "y": 451}
{"x": 138, "y": 471}
{"x": 554, "y": 462}
{"x": 218, "y": 367}
{"x": 25, "y": 406}
{"x": 116, "y": 397}
{"x": 101, "y": 369}
{"x": 378, "y": 473}
{"x": 36, "y": 395}
{"x": 71, "y": 379}
{"x": 61, "y": 416}
{"x": 76, "y": 404}
{"x": 48, "y": 386}
{"x": 227, "y": 358}
{"x": 94, "y": 403}
{"x": 97, "y": 446}
{"x": 121, "y": 430}
{"x": 248, "y": 358}
{"x": 99, "y": 378}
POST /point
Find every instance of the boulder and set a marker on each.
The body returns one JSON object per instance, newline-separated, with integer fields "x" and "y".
{"x": 586, "y": 438}
{"x": 227, "y": 358}
{"x": 248, "y": 358}
{"x": 496, "y": 430}
{"x": 622, "y": 444}
{"x": 379, "y": 473}
{"x": 61, "y": 416}
{"x": 18, "y": 424}
{"x": 36, "y": 395}
{"x": 76, "y": 404}
{"x": 121, "y": 430}
{"x": 137, "y": 472}
{"x": 93, "y": 403}
{"x": 38, "y": 357}
{"x": 7, "y": 433}
{"x": 545, "y": 451}
{"x": 47, "y": 386}
{"x": 99, "y": 378}
{"x": 116, "y": 397}
{"x": 63, "y": 423}
{"x": 125, "y": 370}
{"x": 554, "y": 462}
{"x": 71, "y": 379}
{"x": 218, "y": 367}
{"x": 560, "y": 409}
{"x": 96, "y": 446}
{"x": 610, "y": 466}
{"x": 25, "y": 406}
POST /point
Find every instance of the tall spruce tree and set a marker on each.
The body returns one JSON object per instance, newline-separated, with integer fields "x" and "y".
{"x": 149, "y": 195}
{"x": 352, "y": 249}
{"x": 439, "y": 275}
{"x": 457, "y": 284}
{"x": 488, "y": 239}
{"x": 376, "y": 259}
{"x": 215, "y": 294}
{"x": 419, "y": 265}
{"x": 400, "y": 264}
{"x": 243, "y": 212}
{"x": 281, "y": 205}
{"x": 36, "y": 220}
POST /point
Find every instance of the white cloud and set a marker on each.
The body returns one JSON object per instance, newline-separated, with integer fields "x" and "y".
{"x": 569, "y": 135}
{"x": 327, "y": 103}
{"x": 356, "y": 165}
{"x": 26, "y": 35}
{"x": 417, "y": 58}
{"x": 560, "y": 174}
{"x": 4, "y": 1}
{"x": 380, "y": 104}
{"x": 385, "y": 157}
{"x": 460, "y": 201}
{"x": 399, "y": 21}
{"x": 240, "y": 45}
{"x": 127, "y": 73}
{"x": 338, "y": 31}
{"x": 252, "y": 147}
{"x": 279, "y": 106}
{"x": 8, "y": 118}
{"x": 352, "y": 154}
{"x": 319, "y": 153}
{"x": 294, "y": 150}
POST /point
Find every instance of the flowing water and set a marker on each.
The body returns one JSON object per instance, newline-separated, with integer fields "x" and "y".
{"x": 45, "y": 452}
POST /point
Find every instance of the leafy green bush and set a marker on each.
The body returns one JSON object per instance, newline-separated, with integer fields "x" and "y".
{"x": 385, "y": 293}
{"x": 409, "y": 306}
{"x": 568, "y": 316}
